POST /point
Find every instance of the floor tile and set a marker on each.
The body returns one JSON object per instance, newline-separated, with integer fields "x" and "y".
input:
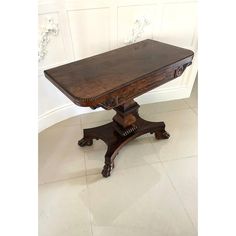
{"x": 63, "y": 209}
{"x": 183, "y": 174}
{"x": 182, "y": 126}
{"x": 59, "y": 155}
{"x": 154, "y": 108}
{"x": 137, "y": 152}
{"x": 140, "y": 198}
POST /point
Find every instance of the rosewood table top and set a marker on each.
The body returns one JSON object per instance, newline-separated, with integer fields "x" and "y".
{"x": 110, "y": 78}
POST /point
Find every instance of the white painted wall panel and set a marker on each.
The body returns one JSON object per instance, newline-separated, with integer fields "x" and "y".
{"x": 45, "y": 90}
{"x": 90, "y": 31}
{"x": 179, "y": 24}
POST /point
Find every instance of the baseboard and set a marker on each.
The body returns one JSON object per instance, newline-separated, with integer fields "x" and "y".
{"x": 68, "y": 110}
{"x": 165, "y": 94}
{"x": 60, "y": 113}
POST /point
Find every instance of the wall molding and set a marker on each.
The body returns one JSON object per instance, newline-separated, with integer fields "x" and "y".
{"x": 59, "y": 114}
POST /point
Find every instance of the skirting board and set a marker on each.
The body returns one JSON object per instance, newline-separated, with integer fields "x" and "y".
{"x": 70, "y": 109}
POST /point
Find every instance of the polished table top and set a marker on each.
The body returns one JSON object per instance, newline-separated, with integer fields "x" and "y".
{"x": 131, "y": 71}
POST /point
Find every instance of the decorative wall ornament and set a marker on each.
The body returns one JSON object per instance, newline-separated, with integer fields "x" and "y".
{"x": 137, "y": 30}
{"x": 51, "y": 28}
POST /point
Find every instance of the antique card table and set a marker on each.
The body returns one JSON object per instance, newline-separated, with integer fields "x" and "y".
{"x": 112, "y": 80}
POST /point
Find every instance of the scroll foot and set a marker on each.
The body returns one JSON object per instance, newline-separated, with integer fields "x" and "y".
{"x": 162, "y": 135}
{"x": 85, "y": 142}
{"x": 106, "y": 172}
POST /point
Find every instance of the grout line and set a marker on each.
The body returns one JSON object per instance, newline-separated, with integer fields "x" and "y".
{"x": 65, "y": 126}
{"x": 130, "y": 167}
{"x": 152, "y": 117}
{"x": 61, "y": 180}
{"x": 83, "y": 125}
{"x": 117, "y": 170}
{"x": 181, "y": 158}
{"x": 86, "y": 172}
{"x": 178, "y": 195}
{"x": 125, "y": 168}
{"x": 175, "y": 159}
{"x": 158, "y": 161}
{"x": 80, "y": 121}
{"x": 89, "y": 203}
{"x": 187, "y": 104}
{"x": 161, "y": 112}
{"x": 192, "y": 108}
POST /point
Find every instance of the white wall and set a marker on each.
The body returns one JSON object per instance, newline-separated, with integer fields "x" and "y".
{"x": 89, "y": 27}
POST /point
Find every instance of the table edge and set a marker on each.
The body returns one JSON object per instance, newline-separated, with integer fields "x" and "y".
{"x": 81, "y": 101}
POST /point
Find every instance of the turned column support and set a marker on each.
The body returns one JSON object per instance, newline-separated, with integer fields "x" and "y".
{"x": 125, "y": 120}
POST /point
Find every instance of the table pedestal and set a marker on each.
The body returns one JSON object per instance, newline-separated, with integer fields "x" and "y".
{"x": 126, "y": 126}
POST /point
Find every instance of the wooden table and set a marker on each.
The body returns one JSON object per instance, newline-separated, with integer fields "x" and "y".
{"x": 112, "y": 80}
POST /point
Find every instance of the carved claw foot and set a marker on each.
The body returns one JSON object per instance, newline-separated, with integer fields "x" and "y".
{"x": 85, "y": 142}
{"x": 106, "y": 172}
{"x": 162, "y": 135}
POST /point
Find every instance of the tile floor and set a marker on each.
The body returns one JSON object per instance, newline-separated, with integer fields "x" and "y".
{"x": 152, "y": 190}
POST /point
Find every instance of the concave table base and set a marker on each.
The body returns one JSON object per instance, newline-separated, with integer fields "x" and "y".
{"x": 115, "y": 139}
